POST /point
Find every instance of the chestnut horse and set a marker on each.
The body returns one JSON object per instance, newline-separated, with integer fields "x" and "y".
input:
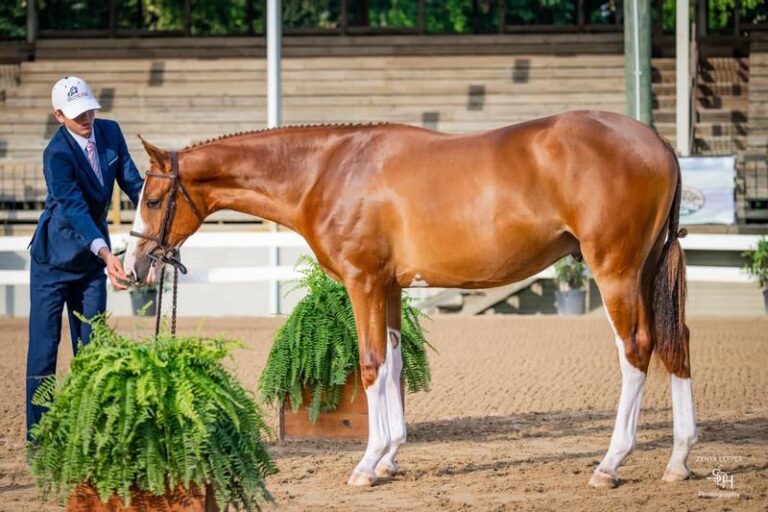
{"x": 388, "y": 206}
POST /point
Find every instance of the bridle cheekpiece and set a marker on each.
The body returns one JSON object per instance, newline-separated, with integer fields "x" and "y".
{"x": 169, "y": 254}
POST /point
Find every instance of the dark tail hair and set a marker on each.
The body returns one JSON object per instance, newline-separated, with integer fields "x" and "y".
{"x": 670, "y": 331}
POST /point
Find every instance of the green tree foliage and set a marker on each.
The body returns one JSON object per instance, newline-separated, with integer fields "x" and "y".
{"x": 540, "y": 12}
{"x": 13, "y": 19}
{"x": 721, "y": 13}
{"x": 154, "y": 414}
{"x": 311, "y": 13}
{"x": 228, "y": 17}
{"x": 461, "y": 16}
{"x": 73, "y": 14}
{"x": 316, "y": 348}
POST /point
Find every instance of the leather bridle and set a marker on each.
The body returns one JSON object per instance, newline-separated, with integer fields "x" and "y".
{"x": 168, "y": 253}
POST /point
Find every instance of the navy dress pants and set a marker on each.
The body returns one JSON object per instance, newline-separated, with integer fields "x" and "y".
{"x": 50, "y": 289}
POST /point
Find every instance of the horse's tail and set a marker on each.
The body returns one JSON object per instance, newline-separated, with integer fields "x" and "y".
{"x": 670, "y": 331}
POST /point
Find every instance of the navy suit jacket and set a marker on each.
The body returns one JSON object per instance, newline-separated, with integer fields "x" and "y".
{"x": 77, "y": 204}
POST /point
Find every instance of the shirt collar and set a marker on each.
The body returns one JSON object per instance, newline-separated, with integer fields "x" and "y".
{"x": 82, "y": 141}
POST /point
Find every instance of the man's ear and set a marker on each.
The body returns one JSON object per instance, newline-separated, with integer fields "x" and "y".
{"x": 157, "y": 156}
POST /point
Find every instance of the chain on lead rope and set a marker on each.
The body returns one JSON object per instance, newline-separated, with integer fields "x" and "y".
{"x": 174, "y": 299}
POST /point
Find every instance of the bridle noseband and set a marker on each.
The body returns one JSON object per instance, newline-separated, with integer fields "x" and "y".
{"x": 169, "y": 254}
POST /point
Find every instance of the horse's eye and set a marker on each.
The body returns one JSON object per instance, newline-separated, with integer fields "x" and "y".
{"x": 153, "y": 204}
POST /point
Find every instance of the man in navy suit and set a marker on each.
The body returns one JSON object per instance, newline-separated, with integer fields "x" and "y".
{"x": 70, "y": 248}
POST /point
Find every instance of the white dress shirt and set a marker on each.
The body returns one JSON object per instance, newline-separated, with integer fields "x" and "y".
{"x": 98, "y": 243}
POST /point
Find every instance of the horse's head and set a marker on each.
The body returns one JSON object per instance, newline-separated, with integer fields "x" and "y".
{"x": 166, "y": 215}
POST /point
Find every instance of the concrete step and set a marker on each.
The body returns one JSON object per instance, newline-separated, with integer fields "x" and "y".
{"x": 353, "y": 87}
{"x": 158, "y": 78}
{"x": 45, "y": 126}
{"x": 472, "y": 98}
{"x": 723, "y": 145}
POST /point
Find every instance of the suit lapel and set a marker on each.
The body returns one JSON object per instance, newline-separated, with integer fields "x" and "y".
{"x": 80, "y": 158}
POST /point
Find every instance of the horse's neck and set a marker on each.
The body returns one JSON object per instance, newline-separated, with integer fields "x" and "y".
{"x": 266, "y": 177}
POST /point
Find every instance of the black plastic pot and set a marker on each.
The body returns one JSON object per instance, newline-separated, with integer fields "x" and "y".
{"x": 140, "y": 298}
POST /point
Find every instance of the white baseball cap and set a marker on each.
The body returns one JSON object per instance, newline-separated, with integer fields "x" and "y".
{"x": 73, "y": 96}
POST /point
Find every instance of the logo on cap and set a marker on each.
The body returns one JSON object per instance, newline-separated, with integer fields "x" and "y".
{"x": 72, "y": 91}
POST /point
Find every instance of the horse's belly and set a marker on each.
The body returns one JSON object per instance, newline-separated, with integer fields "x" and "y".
{"x": 470, "y": 262}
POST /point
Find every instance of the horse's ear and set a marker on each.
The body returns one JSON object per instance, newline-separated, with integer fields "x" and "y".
{"x": 157, "y": 156}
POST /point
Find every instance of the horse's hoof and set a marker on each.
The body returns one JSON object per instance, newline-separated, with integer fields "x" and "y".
{"x": 361, "y": 479}
{"x": 601, "y": 480}
{"x": 386, "y": 469}
{"x": 671, "y": 475}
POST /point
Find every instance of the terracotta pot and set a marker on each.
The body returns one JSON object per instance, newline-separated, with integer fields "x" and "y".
{"x": 85, "y": 499}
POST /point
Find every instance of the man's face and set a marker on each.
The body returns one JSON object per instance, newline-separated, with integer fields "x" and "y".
{"x": 80, "y": 125}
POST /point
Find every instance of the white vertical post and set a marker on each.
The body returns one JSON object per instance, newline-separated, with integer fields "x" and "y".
{"x": 274, "y": 119}
{"x": 683, "y": 77}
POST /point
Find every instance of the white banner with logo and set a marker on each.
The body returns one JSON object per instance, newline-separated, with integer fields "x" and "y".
{"x": 708, "y": 190}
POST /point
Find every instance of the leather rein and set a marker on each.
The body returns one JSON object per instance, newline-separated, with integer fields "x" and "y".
{"x": 168, "y": 253}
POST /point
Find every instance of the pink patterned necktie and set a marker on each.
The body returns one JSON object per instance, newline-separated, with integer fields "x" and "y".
{"x": 93, "y": 159}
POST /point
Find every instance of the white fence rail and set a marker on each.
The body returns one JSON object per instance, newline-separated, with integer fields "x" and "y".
{"x": 224, "y": 240}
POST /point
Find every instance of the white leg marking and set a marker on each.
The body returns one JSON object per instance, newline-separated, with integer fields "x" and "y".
{"x": 395, "y": 411}
{"x": 129, "y": 265}
{"x": 684, "y": 429}
{"x": 623, "y": 438}
{"x": 378, "y": 430}
{"x": 625, "y": 429}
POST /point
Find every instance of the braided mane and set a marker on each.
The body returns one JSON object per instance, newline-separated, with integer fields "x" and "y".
{"x": 286, "y": 128}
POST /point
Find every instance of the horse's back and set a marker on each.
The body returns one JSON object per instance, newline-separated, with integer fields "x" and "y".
{"x": 493, "y": 207}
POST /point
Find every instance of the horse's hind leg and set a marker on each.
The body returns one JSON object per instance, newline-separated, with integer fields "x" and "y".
{"x": 387, "y": 466}
{"x": 626, "y": 311}
{"x": 684, "y": 423}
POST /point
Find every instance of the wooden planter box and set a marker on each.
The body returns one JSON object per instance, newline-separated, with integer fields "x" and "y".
{"x": 85, "y": 499}
{"x": 348, "y": 422}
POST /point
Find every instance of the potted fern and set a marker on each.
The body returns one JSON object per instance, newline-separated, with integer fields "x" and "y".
{"x": 757, "y": 266}
{"x": 146, "y": 422}
{"x": 571, "y": 279}
{"x": 314, "y": 357}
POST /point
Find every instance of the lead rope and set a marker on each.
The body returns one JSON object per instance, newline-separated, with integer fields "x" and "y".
{"x": 174, "y": 299}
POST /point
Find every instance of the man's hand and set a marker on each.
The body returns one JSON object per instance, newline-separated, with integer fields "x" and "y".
{"x": 114, "y": 269}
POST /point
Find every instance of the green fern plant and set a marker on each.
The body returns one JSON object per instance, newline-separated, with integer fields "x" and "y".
{"x": 153, "y": 415}
{"x": 757, "y": 262}
{"x": 316, "y": 348}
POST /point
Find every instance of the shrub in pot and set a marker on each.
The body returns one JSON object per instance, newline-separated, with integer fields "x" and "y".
{"x": 757, "y": 266}
{"x": 138, "y": 420}
{"x": 571, "y": 280}
{"x": 315, "y": 352}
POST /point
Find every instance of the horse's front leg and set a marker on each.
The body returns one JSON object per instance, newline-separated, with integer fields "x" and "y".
{"x": 368, "y": 298}
{"x": 387, "y": 466}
